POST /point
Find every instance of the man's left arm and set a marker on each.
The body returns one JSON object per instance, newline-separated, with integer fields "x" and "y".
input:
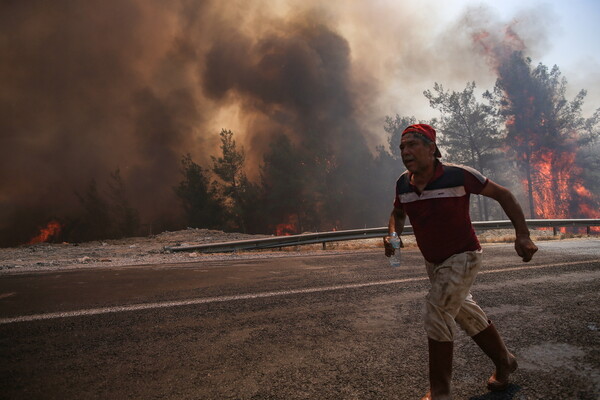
{"x": 523, "y": 245}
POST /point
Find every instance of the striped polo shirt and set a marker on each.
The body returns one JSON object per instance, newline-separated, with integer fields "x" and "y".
{"x": 440, "y": 214}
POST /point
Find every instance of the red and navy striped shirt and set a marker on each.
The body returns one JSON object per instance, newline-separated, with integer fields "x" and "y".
{"x": 440, "y": 214}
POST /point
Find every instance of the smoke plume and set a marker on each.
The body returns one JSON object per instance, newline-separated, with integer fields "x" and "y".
{"x": 93, "y": 87}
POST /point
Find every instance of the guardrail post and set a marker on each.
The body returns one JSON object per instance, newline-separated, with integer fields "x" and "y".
{"x": 588, "y": 229}
{"x": 324, "y": 245}
{"x": 555, "y": 230}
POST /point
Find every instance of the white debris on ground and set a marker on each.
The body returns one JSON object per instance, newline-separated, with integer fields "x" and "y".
{"x": 151, "y": 250}
{"x": 117, "y": 252}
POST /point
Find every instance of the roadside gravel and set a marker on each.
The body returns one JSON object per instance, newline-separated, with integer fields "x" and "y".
{"x": 151, "y": 250}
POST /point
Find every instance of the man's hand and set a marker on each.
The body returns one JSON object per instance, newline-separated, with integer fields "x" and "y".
{"x": 389, "y": 249}
{"x": 525, "y": 247}
{"x": 523, "y": 244}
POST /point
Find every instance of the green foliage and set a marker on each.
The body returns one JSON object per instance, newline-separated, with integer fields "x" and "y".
{"x": 250, "y": 215}
{"x": 239, "y": 195}
{"x": 284, "y": 180}
{"x": 229, "y": 166}
{"x": 317, "y": 187}
{"x": 394, "y": 127}
{"x": 199, "y": 198}
{"x": 469, "y": 132}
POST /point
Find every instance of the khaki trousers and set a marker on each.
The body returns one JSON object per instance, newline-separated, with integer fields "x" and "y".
{"x": 449, "y": 300}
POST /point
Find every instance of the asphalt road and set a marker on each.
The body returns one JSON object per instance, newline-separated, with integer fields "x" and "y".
{"x": 326, "y": 327}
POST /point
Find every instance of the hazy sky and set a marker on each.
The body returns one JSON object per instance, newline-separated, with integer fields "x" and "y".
{"x": 574, "y": 36}
{"x": 571, "y": 28}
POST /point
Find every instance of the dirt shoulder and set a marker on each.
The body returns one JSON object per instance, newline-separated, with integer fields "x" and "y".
{"x": 151, "y": 250}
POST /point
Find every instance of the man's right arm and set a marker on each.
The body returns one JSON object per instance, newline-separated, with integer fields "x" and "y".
{"x": 523, "y": 244}
{"x": 395, "y": 224}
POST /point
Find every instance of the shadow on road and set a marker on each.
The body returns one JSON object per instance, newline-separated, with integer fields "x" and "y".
{"x": 508, "y": 394}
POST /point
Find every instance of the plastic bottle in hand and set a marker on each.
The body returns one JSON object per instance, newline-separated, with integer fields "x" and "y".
{"x": 395, "y": 258}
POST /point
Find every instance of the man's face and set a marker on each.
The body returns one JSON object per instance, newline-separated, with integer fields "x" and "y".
{"x": 416, "y": 154}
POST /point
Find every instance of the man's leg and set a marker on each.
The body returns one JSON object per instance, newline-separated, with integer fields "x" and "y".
{"x": 490, "y": 341}
{"x": 475, "y": 323}
{"x": 471, "y": 318}
{"x": 440, "y": 370}
{"x": 450, "y": 285}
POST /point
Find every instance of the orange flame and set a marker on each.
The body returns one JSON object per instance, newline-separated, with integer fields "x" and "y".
{"x": 52, "y": 229}
{"x": 552, "y": 175}
{"x": 583, "y": 192}
{"x": 287, "y": 228}
{"x": 558, "y": 191}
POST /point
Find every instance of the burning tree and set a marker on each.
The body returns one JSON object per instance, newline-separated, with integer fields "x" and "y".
{"x": 545, "y": 132}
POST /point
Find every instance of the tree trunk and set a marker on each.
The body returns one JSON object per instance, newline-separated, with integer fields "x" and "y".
{"x": 483, "y": 213}
{"x": 530, "y": 186}
{"x": 485, "y": 209}
{"x": 480, "y": 208}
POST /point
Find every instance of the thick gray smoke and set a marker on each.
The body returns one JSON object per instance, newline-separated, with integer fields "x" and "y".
{"x": 298, "y": 76}
{"x": 89, "y": 88}
{"x": 95, "y": 86}
{"x": 92, "y": 87}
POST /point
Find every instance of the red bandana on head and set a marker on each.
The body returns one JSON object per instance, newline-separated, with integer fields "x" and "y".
{"x": 424, "y": 130}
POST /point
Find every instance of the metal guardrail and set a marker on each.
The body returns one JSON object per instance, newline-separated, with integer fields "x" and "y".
{"x": 356, "y": 234}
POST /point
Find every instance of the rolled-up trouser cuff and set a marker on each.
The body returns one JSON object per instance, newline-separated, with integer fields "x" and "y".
{"x": 449, "y": 300}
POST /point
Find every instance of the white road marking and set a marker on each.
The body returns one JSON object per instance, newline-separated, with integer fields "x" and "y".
{"x": 249, "y": 296}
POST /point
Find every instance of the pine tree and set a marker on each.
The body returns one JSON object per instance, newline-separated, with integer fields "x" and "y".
{"x": 469, "y": 131}
{"x": 199, "y": 198}
{"x": 235, "y": 188}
